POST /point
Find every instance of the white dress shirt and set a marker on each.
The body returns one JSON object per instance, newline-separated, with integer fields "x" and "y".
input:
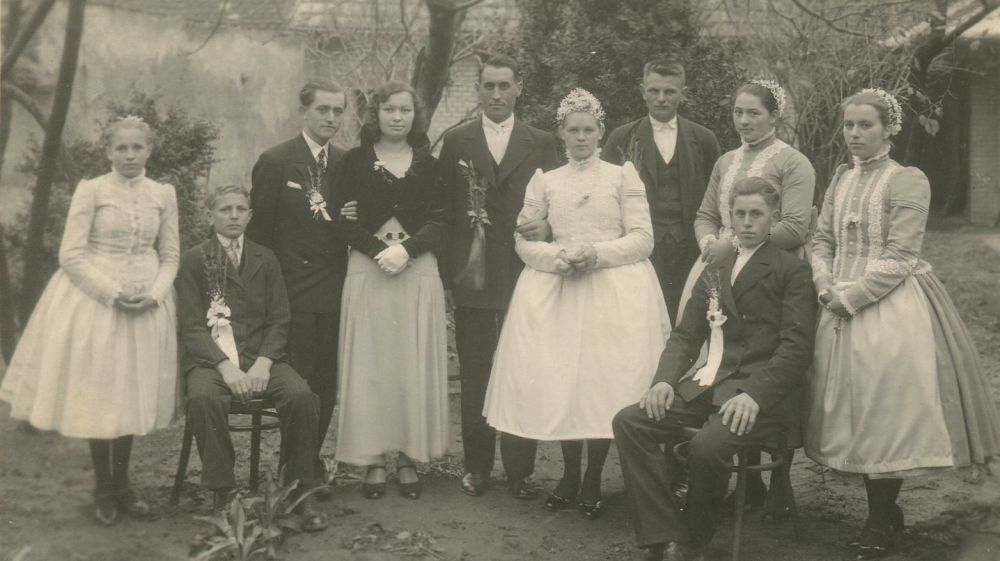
{"x": 497, "y": 136}
{"x": 742, "y": 257}
{"x": 238, "y": 250}
{"x": 315, "y": 148}
{"x": 665, "y": 137}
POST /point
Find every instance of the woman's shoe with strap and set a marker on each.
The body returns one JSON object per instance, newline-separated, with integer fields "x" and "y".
{"x": 371, "y": 488}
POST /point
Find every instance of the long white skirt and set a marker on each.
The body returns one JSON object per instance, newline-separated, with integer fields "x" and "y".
{"x": 575, "y": 350}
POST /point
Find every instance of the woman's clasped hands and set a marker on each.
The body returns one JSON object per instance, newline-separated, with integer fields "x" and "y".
{"x": 577, "y": 258}
{"x": 136, "y": 303}
{"x": 393, "y": 259}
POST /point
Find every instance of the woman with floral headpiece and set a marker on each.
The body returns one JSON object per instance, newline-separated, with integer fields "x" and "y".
{"x": 587, "y": 322}
{"x": 898, "y": 389}
{"x": 98, "y": 358}
{"x": 757, "y": 107}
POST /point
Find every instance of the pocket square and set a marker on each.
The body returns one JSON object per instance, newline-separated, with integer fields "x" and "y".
{"x": 293, "y": 185}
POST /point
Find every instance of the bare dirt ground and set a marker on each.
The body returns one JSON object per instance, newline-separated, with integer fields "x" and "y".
{"x": 46, "y": 481}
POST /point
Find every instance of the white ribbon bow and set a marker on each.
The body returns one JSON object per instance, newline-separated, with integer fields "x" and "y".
{"x": 318, "y": 205}
{"x": 706, "y": 374}
{"x": 222, "y": 330}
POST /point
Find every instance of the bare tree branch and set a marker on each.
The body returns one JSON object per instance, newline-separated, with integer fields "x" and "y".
{"x": 24, "y": 35}
{"x": 825, "y": 19}
{"x": 28, "y": 104}
{"x": 215, "y": 28}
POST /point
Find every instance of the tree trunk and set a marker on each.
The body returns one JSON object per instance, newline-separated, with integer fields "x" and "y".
{"x": 6, "y": 108}
{"x": 17, "y": 46}
{"x": 30, "y": 288}
{"x": 434, "y": 62}
{"x": 8, "y": 325}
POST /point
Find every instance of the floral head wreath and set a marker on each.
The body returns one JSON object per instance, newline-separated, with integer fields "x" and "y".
{"x": 580, "y": 101}
{"x": 895, "y": 123}
{"x": 132, "y": 119}
{"x": 776, "y": 91}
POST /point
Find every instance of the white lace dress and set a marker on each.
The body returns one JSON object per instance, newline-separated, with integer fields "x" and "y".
{"x": 574, "y": 350}
{"x": 83, "y": 367}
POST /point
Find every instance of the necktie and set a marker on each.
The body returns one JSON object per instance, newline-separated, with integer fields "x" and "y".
{"x": 496, "y": 147}
{"x": 233, "y": 251}
{"x": 321, "y": 161}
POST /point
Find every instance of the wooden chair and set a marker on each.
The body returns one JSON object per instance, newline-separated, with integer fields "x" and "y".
{"x": 257, "y": 409}
{"x": 779, "y": 465}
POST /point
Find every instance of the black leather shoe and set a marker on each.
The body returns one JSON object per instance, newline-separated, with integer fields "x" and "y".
{"x": 590, "y": 511}
{"x": 677, "y": 551}
{"x": 373, "y": 490}
{"x": 555, "y": 502}
{"x": 410, "y": 490}
{"x": 313, "y": 519}
{"x": 521, "y": 489}
{"x": 132, "y": 505}
{"x": 474, "y": 484}
{"x": 105, "y": 507}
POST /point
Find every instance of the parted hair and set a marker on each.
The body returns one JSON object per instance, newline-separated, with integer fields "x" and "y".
{"x": 501, "y": 61}
{"x": 307, "y": 95}
{"x": 665, "y": 65}
{"x": 370, "y": 131}
{"x": 215, "y": 193}
{"x": 756, "y": 186}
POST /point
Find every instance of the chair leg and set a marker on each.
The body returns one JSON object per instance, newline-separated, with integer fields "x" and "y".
{"x": 793, "y": 510}
{"x": 255, "y": 452}
{"x": 182, "y": 464}
{"x": 741, "y": 497}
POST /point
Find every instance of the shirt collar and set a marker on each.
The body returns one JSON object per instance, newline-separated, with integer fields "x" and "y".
{"x": 226, "y": 241}
{"x": 313, "y": 146}
{"x": 748, "y": 252}
{"x": 502, "y": 127}
{"x": 660, "y": 125}
{"x": 128, "y": 181}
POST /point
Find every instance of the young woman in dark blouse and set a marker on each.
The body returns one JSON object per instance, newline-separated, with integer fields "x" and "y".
{"x": 393, "y": 338}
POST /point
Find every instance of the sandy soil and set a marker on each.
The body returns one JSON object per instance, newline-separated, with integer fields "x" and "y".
{"x": 46, "y": 481}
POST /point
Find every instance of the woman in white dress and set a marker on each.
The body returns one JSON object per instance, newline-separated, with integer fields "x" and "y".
{"x": 898, "y": 388}
{"x": 587, "y": 320}
{"x": 98, "y": 358}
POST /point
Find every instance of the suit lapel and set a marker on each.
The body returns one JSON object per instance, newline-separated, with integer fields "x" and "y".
{"x": 756, "y": 268}
{"x": 644, "y": 132}
{"x": 479, "y": 151}
{"x": 728, "y": 299}
{"x": 232, "y": 274}
{"x": 252, "y": 260}
{"x": 518, "y": 148}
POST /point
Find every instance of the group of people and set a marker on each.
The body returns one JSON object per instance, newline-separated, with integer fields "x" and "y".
{"x": 620, "y": 293}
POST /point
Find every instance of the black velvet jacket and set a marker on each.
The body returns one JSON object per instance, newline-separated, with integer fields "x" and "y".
{"x": 417, "y": 200}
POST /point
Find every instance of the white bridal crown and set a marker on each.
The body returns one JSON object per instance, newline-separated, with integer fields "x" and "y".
{"x": 895, "y": 110}
{"x": 776, "y": 91}
{"x": 133, "y": 119}
{"x": 580, "y": 101}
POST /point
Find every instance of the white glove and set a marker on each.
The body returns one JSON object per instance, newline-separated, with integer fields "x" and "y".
{"x": 393, "y": 259}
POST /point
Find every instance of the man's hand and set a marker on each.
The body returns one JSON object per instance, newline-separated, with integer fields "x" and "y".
{"x": 259, "y": 374}
{"x": 136, "y": 304}
{"x": 236, "y": 379}
{"x": 658, "y": 400}
{"x": 537, "y": 230}
{"x": 393, "y": 259}
{"x": 349, "y": 211}
{"x": 717, "y": 252}
{"x": 739, "y": 414}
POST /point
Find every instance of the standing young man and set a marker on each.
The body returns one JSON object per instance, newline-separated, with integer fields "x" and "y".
{"x": 674, "y": 157}
{"x": 486, "y": 165}
{"x": 291, "y": 184}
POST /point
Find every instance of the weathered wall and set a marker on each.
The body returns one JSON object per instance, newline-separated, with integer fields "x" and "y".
{"x": 984, "y": 147}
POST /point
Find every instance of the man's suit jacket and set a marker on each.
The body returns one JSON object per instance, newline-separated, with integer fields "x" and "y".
{"x": 528, "y": 150}
{"x": 695, "y": 154}
{"x": 768, "y": 335}
{"x": 312, "y": 260}
{"x": 256, "y": 298}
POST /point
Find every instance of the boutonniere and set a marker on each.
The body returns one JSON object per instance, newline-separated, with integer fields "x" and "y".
{"x": 317, "y": 204}
{"x": 218, "y": 318}
{"x": 477, "y": 186}
{"x": 705, "y": 376}
{"x": 378, "y": 166}
{"x": 473, "y": 275}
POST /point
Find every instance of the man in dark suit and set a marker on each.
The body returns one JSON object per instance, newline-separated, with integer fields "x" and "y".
{"x": 674, "y": 157}
{"x": 501, "y": 153}
{"x": 291, "y": 184}
{"x": 239, "y": 352}
{"x": 749, "y": 391}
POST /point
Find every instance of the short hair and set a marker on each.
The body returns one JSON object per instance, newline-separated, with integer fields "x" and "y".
{"x": 665, "y": 65}
{"x": 307, "y": 95}
{"x": 869, "y": 98}
{"x": 765, "y": 95}
{"x": 130, "y": 122}
{"x": 215, "y": 193}
{"x": 756, "y": 186}
{"x": 501, "y": 61}
{"x": 370, "y": 131}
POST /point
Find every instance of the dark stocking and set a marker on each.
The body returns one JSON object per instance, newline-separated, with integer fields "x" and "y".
{"x": 121, "y": 452}
{"x": 100, "y": 454}
{"x": 882, "y": 495}
{"x": 572, "y": 455}
{"x": 597, "y": 453}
